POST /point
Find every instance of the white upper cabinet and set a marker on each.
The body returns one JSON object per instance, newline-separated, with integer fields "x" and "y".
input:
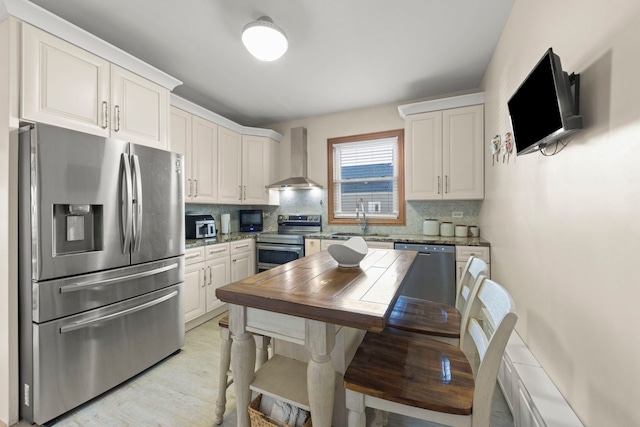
{"x": 444, "y": 154}
{"x": 243, "y": 168}
{"x": 63, "y": 84}
{"x": 180, "y": 142}
{"x": 462, "y": 152}
{"x": 139, "y": 109}
{"x": 229, "y": 166}
{"x": 197, "y": 140}
{"x": 67, "y": 86}
{"x": 204, "y": 156}
{"x": 256, "y": 158}
{"x": 423, "y": 156}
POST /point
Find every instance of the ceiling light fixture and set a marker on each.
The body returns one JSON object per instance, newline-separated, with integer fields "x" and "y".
{"x": 264, "y": 40}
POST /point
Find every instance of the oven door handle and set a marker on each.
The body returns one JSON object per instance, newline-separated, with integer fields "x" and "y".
{"x": 284, "y": 248}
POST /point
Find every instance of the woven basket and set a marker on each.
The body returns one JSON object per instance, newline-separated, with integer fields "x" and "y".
{"x": 258, "y": 419}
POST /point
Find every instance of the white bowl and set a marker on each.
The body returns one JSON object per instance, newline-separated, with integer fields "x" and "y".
{"x": 350, "y": 253}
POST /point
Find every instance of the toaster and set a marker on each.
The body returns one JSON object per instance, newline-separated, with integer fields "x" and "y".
{"x": 199, "y": 226}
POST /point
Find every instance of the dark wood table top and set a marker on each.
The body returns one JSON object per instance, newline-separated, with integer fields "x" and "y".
{"x": 314, "y": 287}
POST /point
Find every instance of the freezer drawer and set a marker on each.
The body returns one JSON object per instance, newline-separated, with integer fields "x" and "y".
{"x": 79, "y": 357}
{"x": 53, "y": 299}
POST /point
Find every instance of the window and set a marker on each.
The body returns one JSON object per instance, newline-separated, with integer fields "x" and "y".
{"x": 369, "y": 169}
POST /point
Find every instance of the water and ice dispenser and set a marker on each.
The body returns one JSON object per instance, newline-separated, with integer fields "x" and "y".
{"x": 77, "y": 228}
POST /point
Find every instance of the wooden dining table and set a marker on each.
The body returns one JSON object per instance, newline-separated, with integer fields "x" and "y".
{"x": 317, "y": 312}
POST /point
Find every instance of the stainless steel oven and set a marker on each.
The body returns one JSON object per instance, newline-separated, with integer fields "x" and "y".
{"x": 274, "y": 249}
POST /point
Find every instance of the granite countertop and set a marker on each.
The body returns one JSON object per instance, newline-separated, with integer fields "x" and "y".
{"x": 220, "y": 238}
{"x": 405, "y": 238}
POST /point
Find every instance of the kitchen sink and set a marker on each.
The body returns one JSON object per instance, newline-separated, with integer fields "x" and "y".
{"x": 364, "y": 236}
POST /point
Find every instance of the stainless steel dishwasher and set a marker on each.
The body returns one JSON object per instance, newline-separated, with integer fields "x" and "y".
{"x": 433, "y": 276}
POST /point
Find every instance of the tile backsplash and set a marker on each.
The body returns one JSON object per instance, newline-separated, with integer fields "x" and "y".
{"x": 315, "y": 202}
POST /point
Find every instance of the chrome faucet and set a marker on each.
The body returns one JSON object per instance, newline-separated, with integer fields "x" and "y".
{"x": 360, "y": 207}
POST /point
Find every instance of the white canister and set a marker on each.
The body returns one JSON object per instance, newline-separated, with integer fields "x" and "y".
{"x": 474, "y": 230}
{"x": 462, "y": 230}
{"x": 225, "y": 219}
{"x": 431, "y": 227}
{"x": 447, "y": 229}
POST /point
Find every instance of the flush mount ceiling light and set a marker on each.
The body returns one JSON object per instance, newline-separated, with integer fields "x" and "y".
{"x": 264, "y": 40}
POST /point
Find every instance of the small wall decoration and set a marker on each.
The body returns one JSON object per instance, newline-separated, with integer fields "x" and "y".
{"x": 496, "y": 142}
{"x": 507, "y": 147}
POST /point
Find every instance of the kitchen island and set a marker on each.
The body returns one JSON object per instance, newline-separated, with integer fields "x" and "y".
{"x": 314, "y": 303}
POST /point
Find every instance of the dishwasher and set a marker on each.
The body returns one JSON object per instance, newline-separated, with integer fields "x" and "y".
{"x": 433, "y": 276}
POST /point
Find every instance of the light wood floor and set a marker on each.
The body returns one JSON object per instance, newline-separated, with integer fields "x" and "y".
{"x": 181, "y": 391}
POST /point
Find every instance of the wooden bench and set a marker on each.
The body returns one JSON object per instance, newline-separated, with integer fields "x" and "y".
{"x": 441, "y": 321}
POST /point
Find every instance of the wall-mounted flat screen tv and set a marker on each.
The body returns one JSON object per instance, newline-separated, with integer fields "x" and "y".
{"x": 544, "y": 109}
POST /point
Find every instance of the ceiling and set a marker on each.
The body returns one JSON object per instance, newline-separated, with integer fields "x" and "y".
{"x": 343, "y": 54}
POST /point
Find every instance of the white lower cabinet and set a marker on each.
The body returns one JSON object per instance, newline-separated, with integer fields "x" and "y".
{"x": 462, "y": 256}
{"x": 243, "y": 259}
{"x": 207, "y": 268}
{"x": 311, "y": 246}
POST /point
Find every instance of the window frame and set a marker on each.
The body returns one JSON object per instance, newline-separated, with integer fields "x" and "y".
{"x": 401, "y": 220}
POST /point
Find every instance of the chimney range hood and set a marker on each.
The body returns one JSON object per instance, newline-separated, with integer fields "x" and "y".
{"x": 299, "y": 178}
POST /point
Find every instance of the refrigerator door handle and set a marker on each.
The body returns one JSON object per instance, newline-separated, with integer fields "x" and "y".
{"x": 126, "y": 217}
{"x": 87, "y": 323}
{"x": 82, "y": 286}
{"x": 137, "y": 224}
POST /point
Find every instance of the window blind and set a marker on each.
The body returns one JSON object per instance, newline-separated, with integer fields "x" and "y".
{"x": 367, "y": 171}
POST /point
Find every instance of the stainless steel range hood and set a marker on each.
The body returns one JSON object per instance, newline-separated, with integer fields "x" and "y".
{"x": 299, "y": 178}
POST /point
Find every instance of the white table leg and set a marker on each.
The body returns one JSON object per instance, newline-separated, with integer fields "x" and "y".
{"x": 321, "y": 376}
{"x": 225, "y": 361}
{"x": 243, "y": 359}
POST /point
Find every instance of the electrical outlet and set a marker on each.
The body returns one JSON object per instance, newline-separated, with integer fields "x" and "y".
{"x": 457, "y": 214}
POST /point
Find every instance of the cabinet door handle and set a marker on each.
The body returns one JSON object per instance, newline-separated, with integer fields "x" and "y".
{"x": 204, "y": 277}
{"x": 105, "y": 115}
{"x": 446, "y": 183}
{"x": 438, "y": 184}
{"x": 190, "y": 256}
{"x": 244, "y": 196}
{"x": 189, "y": 180}
{"x": 210, "y": 276}
{"x": 196, "y": 194}
{"x": 240, "y": 191}
{"x": 116, "y": 118}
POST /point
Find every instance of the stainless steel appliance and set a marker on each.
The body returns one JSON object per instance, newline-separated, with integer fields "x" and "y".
{"x": 433, "y": 276}
{"x": 199, "y": 226}
{"x": 274, "y": 249}
{"x": 251, "y": 219}
{"x": 101, "y": 265}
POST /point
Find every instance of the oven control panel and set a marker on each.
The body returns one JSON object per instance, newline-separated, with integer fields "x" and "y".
{"x": 311, "y": 220}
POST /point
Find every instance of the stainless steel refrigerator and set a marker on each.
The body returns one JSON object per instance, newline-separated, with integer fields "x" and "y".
{"x": 101, "y": 265}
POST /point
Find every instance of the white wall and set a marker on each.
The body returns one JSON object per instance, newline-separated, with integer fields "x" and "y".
{"x": 8, "y": 256}
{"x": 565, "y": 230}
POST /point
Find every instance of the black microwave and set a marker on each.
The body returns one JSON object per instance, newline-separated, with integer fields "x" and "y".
{"x": 251, "y": 220}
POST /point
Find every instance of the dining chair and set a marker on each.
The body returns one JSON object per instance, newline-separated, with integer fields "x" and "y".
{"x": 224, "y": 373}
{"x": 441, "y": 321}
{"x": 412, "y": 375}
